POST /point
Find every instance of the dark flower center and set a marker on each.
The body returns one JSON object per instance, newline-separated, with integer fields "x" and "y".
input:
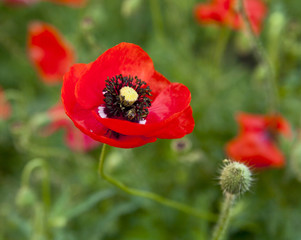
{"x": 272, "y": 134}
{"x": 126, "y": 98}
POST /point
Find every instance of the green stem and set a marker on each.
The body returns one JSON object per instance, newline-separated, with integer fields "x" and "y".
{"x": 149, "y": 195}
{"x": 271, "y": 84}
{"x": 221, "y": 45}
{"x": 25, "y": 179}
{"x": 224, "y": 217}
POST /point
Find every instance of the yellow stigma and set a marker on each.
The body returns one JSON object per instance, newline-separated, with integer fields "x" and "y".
{"x": 128, "y": 96}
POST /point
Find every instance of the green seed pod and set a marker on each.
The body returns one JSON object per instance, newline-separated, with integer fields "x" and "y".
{"x": 236, "y": 178}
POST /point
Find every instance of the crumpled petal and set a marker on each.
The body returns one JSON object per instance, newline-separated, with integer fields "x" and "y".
{"x": 223, "y": 12}
{"x": 126, "y": 59}
{"x": 255, "y": 150}
{"x": 256, "y": 143}
{"x": 48, "y": 51}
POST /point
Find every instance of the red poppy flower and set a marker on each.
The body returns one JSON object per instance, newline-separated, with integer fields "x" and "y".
{"x": 224, "y": 12}
{"x": 73, "y": 3}
{"x": 75, "y": 139}
{"x": 49, "y": 52}
{"x": 5, "y": 108}
{"x": 121, "y": 100}
{"x": 256, "y": 143}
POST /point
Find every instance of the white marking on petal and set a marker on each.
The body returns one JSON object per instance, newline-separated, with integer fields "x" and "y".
{"x": 142, "y": 121}
{"x": 101, "y": 112}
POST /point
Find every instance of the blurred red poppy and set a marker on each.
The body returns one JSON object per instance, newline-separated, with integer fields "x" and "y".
{"x": 121, "y": 100}
{"x": 256, "y": 143}
{"x": 5, "y": 108}
{"x": 73, "y": 3}
{"x": 74, "y": 138}
{"x": 49, "y": 52}
{"x": 223, "y": 12}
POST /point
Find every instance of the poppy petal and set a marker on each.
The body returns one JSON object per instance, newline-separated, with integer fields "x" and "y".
{"x": 250, "y": 122}
{"x": 5, "y": 107}
{"x": 49, "y": 52}
{"x": 168, "y": 105}
{"x": 223, "y": 12}
{"x": 157, "y": 83}
{"x": 72, "y": 3}
{"x": 85, "y": 120}
{"x": 178, "y": 127}
{"x": 280, "y": 125}
{"x": 253, "y": 150}
{"x": 126, "y": 59}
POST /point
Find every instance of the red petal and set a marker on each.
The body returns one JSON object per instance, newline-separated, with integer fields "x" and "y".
{"x": 79, "y": 141}
{"x": 256, "y": 10}
{"x": 218, "y": 12}
{"x": 169, "y": 105}
{"x": 49, "y": 52}
{"x": 84, "y": 118}
{"x": 224, "y": 12}
{"x": 262, "y": 123}
{"x": 5, "y": 108}
{"x": 72, "y": 3}
{"x": 253, "y": 150}
{"x": 251, "y": 122}
{"x": 179, "y": 127}
{"x": 157, "y": 83}
{"x": 126, "y": 59}
{"x": 279, "y": 124}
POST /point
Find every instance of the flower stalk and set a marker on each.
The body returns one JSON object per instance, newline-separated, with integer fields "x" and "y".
{"x": 25, "y": 179}
{"x": 152, "y": 196}
{"x": 271, "y": 84}
{"x": 224, "y": 217}
{"x": 235, "y": 179}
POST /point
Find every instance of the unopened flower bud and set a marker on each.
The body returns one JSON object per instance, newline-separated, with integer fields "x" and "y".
{"x": 236, "y": 178}
{"x": 181, "y": 145}
{"x": 25, "y": 197}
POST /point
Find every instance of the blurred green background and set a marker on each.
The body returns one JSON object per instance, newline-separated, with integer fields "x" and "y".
{"x": 223, "y": 76}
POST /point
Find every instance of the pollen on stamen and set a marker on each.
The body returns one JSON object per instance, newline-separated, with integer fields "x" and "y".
{"x": 128, "y": 96}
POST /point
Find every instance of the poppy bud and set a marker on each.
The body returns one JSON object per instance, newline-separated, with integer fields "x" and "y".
{"x": 25, "y": 197}
{"x": 236, "y": 178}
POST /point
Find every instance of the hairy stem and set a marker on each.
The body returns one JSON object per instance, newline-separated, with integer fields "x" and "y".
{"x": 224, "y": 217}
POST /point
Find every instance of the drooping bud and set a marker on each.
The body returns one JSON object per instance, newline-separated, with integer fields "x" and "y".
{"x": 25, "y": 197}
{"x": 236, "y": 178}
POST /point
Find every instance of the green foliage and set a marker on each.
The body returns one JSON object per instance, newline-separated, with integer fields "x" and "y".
{"x": 218, "y": 66}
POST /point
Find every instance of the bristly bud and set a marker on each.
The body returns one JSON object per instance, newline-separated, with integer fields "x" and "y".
{"x": 236, "y": 178}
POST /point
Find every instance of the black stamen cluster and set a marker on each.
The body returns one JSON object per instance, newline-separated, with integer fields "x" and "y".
{"x": 114, "y": 107}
